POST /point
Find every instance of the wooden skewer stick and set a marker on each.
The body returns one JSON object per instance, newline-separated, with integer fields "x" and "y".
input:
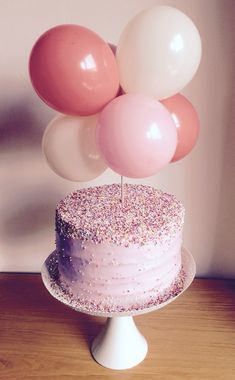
{"x": 122, "y": 191}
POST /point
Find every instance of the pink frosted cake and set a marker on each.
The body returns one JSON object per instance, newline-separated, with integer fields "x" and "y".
{"x": 119, "y": 257}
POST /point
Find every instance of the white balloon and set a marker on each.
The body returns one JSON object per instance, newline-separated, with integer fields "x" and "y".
{"x": 69, "y": 146}
{"x": 158, "y": 52}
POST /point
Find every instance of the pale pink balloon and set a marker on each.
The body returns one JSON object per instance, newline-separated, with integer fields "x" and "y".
{"x": 136, "y": 135}
{"x": 187, "y": 124}
{"x": 70, "y": 148}
{"x": 158, "y": 52}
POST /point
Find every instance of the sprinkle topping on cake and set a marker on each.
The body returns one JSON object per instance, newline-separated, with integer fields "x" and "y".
{"x": 96, "y": 213}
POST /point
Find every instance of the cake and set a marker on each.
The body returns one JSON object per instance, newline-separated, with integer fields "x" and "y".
{"x": 118, "y": 256}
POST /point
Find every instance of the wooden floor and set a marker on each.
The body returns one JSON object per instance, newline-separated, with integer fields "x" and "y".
{"x": 191, "y": 339}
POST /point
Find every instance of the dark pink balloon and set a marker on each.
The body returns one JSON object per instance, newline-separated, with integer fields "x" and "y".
{"x": 73, "y": 70}
{"x": 187, "y": 124}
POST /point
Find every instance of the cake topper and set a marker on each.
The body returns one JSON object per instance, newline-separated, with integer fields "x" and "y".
{"x": 121, "y": 105}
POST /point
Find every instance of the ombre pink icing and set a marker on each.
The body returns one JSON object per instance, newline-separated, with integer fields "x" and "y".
{"x": 116, "y": 255}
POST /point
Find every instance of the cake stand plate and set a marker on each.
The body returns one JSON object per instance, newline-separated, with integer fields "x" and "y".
{"x": 120, "y": 345}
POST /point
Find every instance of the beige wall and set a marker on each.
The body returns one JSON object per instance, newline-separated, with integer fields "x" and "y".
{"x": 204, "y": 181}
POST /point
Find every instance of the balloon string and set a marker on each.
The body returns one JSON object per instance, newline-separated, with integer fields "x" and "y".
{"x": 122, "y": 191}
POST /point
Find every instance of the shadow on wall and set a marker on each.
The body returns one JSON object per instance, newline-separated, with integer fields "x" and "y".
{"x": 20, "y": 126}
{"x": 31, "y": 212}
{"x": 28, "y": 199}
{"x": 223, "y": 262}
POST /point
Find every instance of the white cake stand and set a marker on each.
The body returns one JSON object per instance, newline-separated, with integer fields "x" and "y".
{"x": 119, "y": 345}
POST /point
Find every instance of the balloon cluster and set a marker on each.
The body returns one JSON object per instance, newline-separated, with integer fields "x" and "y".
{"x": 121, "y": 105}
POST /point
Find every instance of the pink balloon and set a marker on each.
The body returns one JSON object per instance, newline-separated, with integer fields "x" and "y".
{"x": 136, "y": 135}
{"x": 73, "y": 70}
{"x": 187, "y": 124}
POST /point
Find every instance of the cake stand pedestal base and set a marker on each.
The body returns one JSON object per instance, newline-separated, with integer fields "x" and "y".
{"x": 120, "y": 345}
